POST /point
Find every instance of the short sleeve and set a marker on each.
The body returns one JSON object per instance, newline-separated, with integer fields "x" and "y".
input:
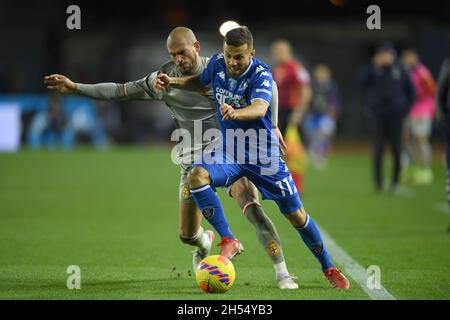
{"x": 262, "y": 83}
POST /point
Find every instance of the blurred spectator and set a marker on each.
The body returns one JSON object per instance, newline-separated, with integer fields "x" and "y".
{"x": 85, "y": 122}
{"x": 320, "y": 122}
{"x": 294, "y": 95}
{"x": 51, "y": 128}
{"x": 65, "y": 122}
{"x": 109, "y": 117}
{"x": 417, "y": 155}
{"x": 293, "y": 82}
{"x": 389, "y": 94}
{"x": 443, "y": 106}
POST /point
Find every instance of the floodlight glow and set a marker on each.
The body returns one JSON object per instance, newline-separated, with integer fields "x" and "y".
{"x": 227, "y": 26}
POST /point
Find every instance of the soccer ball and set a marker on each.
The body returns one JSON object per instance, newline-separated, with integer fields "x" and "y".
{"x": 215, "y": 274}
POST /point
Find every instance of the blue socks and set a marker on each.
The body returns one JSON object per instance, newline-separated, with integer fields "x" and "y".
{"x": 209, "y": 204}
{"x": 311, "y": 236}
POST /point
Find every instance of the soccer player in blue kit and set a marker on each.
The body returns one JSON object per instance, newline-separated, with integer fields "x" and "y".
{"x": 242, "y": 86}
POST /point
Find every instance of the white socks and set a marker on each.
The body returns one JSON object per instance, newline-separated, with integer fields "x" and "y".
{"x": 202, "y": 239}
{"x": 281, "y": 270}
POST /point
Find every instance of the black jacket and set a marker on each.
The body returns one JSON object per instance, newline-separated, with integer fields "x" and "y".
{"x": 388, "y": 90}
{"x": 443, "y": 88}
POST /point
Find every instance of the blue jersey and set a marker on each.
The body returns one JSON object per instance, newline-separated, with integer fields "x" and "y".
{"x": 255, "y": 83}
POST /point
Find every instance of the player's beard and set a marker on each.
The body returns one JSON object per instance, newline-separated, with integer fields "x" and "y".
{"x": 186, "y": 68}
{"x": 234, "y": 72}
{"x": 189, "y": 67}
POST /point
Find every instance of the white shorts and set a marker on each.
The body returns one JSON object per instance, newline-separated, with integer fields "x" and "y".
{"x": 419, "y": 127}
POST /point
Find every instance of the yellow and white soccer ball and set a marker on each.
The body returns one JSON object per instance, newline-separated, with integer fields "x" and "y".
{"x": 215, "y": 274}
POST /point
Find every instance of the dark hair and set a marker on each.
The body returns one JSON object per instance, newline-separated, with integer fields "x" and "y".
{"x": 238, "y": 37}
{"x": 386, "y": 46}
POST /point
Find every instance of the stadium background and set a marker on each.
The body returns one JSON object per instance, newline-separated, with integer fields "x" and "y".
{"x": 44, "y": 191}
{"x": 126, "y": 41}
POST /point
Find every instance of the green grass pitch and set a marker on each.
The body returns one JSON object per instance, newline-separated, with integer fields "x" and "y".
{"x": 115, "y": 215}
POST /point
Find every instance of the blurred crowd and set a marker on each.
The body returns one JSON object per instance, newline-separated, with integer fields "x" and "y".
{"x": 398, "y": 93}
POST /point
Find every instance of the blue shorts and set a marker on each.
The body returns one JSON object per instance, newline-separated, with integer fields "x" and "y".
{"x": 278, "y": 186}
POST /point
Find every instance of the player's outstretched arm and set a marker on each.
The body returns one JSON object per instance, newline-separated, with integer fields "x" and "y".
{"x": 135, "y": 90}
{"x": 60, "y": 83}
{"x": 256, "y": 110}
{"x": 192, "y": 83}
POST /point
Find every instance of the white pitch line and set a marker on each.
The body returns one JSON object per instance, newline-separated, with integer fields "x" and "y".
{"x": 354, "y": 269}
{"x": 441, "y": 207}
{"x": 405, "y": 192}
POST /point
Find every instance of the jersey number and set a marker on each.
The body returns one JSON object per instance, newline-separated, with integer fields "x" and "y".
{"x": 289, "y": 189}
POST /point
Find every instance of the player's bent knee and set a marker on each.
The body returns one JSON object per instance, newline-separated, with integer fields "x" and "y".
{"x": 257, "y": 216}
{"x": 297, "y": 218}
{"x": 236, "y": 189}
{"x": 245, "y": 200}
{"x": 245, "y": 194}
{"x": 251, "y": 192}
{"x": 198, "y": 177}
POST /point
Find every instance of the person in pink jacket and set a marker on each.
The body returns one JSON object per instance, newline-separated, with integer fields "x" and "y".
{"x": 417, "y": 153}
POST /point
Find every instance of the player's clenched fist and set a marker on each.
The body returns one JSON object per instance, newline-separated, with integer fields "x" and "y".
{"x": 60, "y": 83}
{"x": 227, "y": 112}
{"x": 162, "y": 82}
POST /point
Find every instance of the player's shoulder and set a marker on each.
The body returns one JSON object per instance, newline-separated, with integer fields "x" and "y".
{"x": 217, "y": 59}
{"x": 422, "y": 69}
{"x": 259, "y": 65}
{"x": 169, "y": 68}
{"x": 259, "y": 69}
{"x": 203, "y": 63}
{"x": 297, "y": 65}
{"x": 299, "y": 70}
